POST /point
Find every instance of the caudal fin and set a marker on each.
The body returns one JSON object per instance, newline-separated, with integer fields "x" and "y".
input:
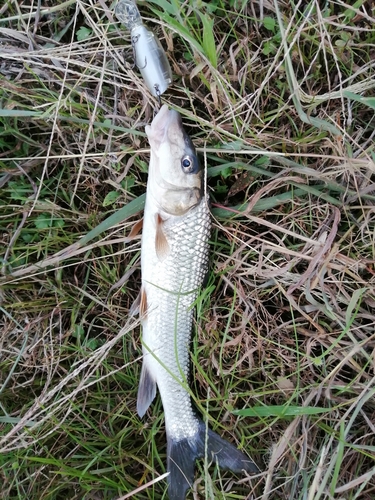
{"x": 181, "y": 456}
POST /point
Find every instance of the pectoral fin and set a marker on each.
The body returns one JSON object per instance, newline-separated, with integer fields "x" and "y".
{"x": 136, "y": 229}
{"x": 161, "y": 243}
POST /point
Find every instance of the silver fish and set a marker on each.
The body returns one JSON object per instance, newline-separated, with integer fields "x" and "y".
{"x": 176, "y": 229}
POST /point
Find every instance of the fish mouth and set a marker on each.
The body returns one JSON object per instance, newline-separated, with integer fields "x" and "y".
{"x": 164, "y": 121}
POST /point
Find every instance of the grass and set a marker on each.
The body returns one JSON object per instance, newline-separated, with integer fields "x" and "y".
{"x": 278, "y": 98}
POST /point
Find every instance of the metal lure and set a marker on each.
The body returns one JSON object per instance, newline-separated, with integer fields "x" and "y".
{"x": 149, "y": 55}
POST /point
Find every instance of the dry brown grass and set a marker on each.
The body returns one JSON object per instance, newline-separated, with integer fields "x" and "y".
{"x": 285, "y": 328}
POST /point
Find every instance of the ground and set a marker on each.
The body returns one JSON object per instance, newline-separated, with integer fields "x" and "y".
{"x": 278, "y": 99}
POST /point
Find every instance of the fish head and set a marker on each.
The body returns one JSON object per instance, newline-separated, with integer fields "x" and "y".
{"x": 175, "y": 176}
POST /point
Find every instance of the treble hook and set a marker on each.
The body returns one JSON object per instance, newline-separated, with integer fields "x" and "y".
{"x": 134, "y": 41}
{"x": 158, "y": 94}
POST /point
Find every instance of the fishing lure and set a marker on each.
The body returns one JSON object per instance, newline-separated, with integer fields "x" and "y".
{"x": 149, "y": 55}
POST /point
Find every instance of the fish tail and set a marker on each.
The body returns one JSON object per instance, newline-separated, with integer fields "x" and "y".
{"x": 181, "y": 456}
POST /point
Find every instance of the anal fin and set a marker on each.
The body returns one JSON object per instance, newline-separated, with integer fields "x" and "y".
{"x": 146, "y": 391}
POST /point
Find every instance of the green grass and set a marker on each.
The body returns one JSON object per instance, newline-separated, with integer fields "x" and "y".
{"x": 278, "y": 99}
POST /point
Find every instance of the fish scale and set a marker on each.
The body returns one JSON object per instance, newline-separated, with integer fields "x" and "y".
{"x": 174, "y": 257}
{"x": 171, "y": 291}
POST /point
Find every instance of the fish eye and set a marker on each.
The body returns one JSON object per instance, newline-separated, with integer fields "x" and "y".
{"x": 187, "y": 164}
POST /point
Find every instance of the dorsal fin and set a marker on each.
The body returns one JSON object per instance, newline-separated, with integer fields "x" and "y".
{"x": 161, "y": 243}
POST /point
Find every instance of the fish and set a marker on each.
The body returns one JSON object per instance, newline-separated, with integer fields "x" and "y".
{"x": 174, "y": 264}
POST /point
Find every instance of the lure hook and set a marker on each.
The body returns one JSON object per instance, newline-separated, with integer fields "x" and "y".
{"x": 158, "y": 94}
{"x": 134, "y": 41}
